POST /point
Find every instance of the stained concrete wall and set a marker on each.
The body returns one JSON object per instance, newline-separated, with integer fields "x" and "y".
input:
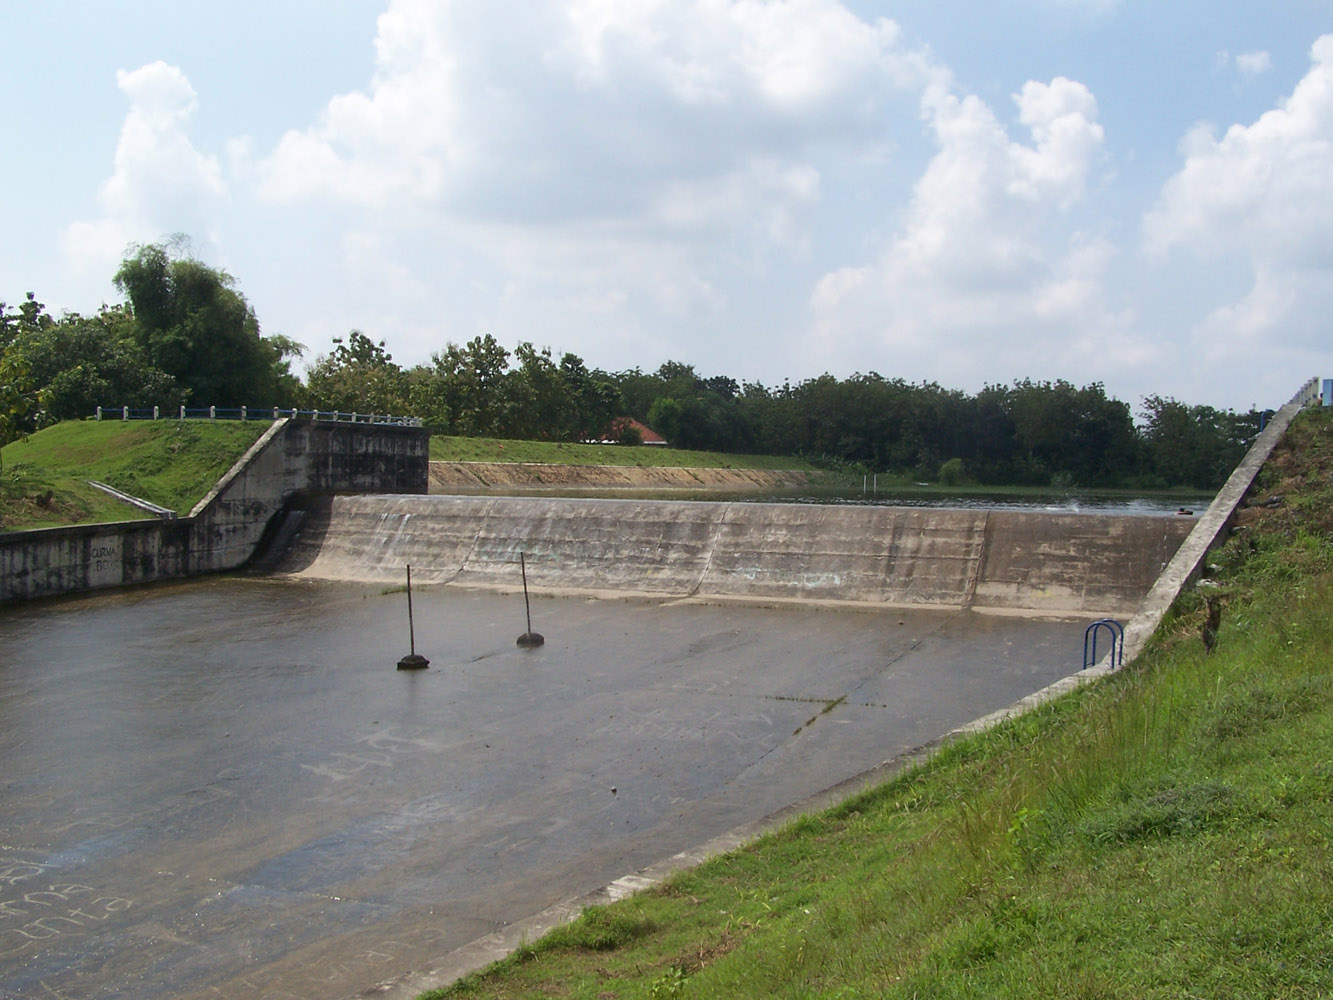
{"x": 292, "y": 457}
{"x": 1012, "y": 560}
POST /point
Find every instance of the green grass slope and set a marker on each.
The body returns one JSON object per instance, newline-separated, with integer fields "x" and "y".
{"x": 1166, "y": 832}
{"x": 173, "y": 464}
{"x": 467, "y": 449}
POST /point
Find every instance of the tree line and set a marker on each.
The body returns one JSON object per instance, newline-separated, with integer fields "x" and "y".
{"x": 186, "y": 336}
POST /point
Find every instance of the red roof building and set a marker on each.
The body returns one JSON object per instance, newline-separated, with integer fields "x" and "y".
{"x": 615, "y": 433}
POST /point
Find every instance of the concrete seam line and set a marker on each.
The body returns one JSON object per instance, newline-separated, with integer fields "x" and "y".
{"x": 719, "y": 524}
{"x": 485, "y": 519}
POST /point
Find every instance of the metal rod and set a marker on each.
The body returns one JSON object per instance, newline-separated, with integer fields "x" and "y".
{"x": 411, "y": 630}
{"x": 523, "y": 565}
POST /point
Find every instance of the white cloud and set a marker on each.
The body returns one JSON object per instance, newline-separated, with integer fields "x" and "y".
{"x": 1254, "y": 63}
{"x": 983, "y": 282}
{"x": 1261, "y": 193}
{"x": 160, "y": 183}
{"x": 595, "y": 171}
{"x": 593, "y": 109}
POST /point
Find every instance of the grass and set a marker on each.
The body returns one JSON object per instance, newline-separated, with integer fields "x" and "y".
{"x": 170, "y": 463}
{"x": 468, "y": 449}
{"x": 1166, "y": 832}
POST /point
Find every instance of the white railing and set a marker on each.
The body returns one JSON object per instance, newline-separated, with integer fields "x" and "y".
{"x": 247, "y": 413}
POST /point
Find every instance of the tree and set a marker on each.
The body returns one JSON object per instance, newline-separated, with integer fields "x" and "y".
{"x": 358, "y": 376}
{"x": 538, "y": 401}
{"x": 19, "y": 399}
{"x": 193, "y": 324}
{"x": 594, "y": 399}
{"x": 1194, "y": 445}
{"x": 1076, "y": 435}
{"x": 472, "y": 381}
{"x": 82, "y": 362}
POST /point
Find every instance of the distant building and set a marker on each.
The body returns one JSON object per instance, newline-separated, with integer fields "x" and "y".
{"x": 615, "y": 432}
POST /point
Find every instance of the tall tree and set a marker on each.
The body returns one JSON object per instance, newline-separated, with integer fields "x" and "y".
{"x": 358, "y": 376}
{"x": 194, "y": 325}
{"x": 82, "y": 362}
{"x": 473, "y": 384}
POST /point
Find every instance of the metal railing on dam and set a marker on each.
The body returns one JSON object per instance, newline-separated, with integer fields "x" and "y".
{"x": 247, "y": 413}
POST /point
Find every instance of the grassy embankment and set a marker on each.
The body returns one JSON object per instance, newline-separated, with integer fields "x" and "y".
{"x": 1167, "y": 832}
{"x": 170, "y": 463}
{"x": 838, "y": 482}
{"x": 464, "y": 449}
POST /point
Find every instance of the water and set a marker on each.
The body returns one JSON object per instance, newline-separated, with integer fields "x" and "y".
{"x": 1079, "y": 503}
{"x": 1130, "y": 504}
{"x": 225, "y": 788}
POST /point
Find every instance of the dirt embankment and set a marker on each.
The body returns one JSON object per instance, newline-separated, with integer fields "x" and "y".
{"x": 448, "y": 477}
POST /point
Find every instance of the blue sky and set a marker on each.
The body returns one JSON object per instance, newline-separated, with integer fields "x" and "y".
{"x": 1095, "y": 190}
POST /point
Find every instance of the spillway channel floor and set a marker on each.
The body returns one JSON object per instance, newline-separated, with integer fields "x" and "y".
{"x": 225, "y": 788}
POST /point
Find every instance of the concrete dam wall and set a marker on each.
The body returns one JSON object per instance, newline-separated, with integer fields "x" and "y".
{"x": 1001, "y": 560}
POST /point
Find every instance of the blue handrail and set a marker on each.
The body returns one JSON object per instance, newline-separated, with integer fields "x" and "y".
{"x": 1117, "y": 642}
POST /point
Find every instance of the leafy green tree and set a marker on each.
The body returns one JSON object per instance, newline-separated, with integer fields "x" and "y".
{"x": 538, "y": 404}
{"x": 82, "y": 362}
{"x": 193, "y": 324}
{"x": 953, "y": 473}
{"x": 20, "y": 400}
{"x": 667, "y": 417}
{"x": 1079, "y": 435}
{"x": 472, "y": 383}
{"x": 358, "y": 376}
{"x": 594, "y": 399}
{"x": 1194, "y": 445}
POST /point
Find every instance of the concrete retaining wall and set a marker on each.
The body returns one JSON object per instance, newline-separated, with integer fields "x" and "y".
{"x": 292, "y": 457}
{"x": 1056, "y": 563}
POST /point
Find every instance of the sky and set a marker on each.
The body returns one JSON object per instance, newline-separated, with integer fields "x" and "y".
{"x": 1133, "y": 193}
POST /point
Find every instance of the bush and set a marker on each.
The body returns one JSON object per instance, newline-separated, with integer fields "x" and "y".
{"x": 952, "y": 472}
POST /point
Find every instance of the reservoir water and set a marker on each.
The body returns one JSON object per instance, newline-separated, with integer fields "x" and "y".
{"x": 224, "y": 787}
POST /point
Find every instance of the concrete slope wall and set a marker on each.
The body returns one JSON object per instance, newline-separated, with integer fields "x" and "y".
{"x": 300, "y": 456}
{"x": 879, "y": 555}
{"x": 291, "y": 457}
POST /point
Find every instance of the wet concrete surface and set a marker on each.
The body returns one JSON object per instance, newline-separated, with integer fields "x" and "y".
{"x": 225, "y": 787}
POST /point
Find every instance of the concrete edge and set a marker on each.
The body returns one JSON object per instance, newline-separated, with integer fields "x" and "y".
{"x": 1182, "y": 570}
{"x": 239, "y": 466}
{"x": 1187, "y": 564}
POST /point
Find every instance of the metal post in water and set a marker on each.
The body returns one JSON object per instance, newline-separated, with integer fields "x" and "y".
{"x": 412, "y": 661}
{"x": 529, "y": 638}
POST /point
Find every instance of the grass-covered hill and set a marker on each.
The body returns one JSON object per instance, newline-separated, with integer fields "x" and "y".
{"x": 1165, "y": 832}
{"x": 444, "y": 448}
{"x": 44, "y": 478}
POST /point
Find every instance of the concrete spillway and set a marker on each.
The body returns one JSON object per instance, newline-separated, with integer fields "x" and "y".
{"x": 1002, "y": 560}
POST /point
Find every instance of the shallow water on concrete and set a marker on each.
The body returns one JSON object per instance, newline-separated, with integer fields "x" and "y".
{"x": 225, "y": 787}
{"x": 1191, "y": 505}
{"x": 1145, "y": 505}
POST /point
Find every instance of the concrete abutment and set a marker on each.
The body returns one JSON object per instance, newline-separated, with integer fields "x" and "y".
{"x": 291, "y": 459}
